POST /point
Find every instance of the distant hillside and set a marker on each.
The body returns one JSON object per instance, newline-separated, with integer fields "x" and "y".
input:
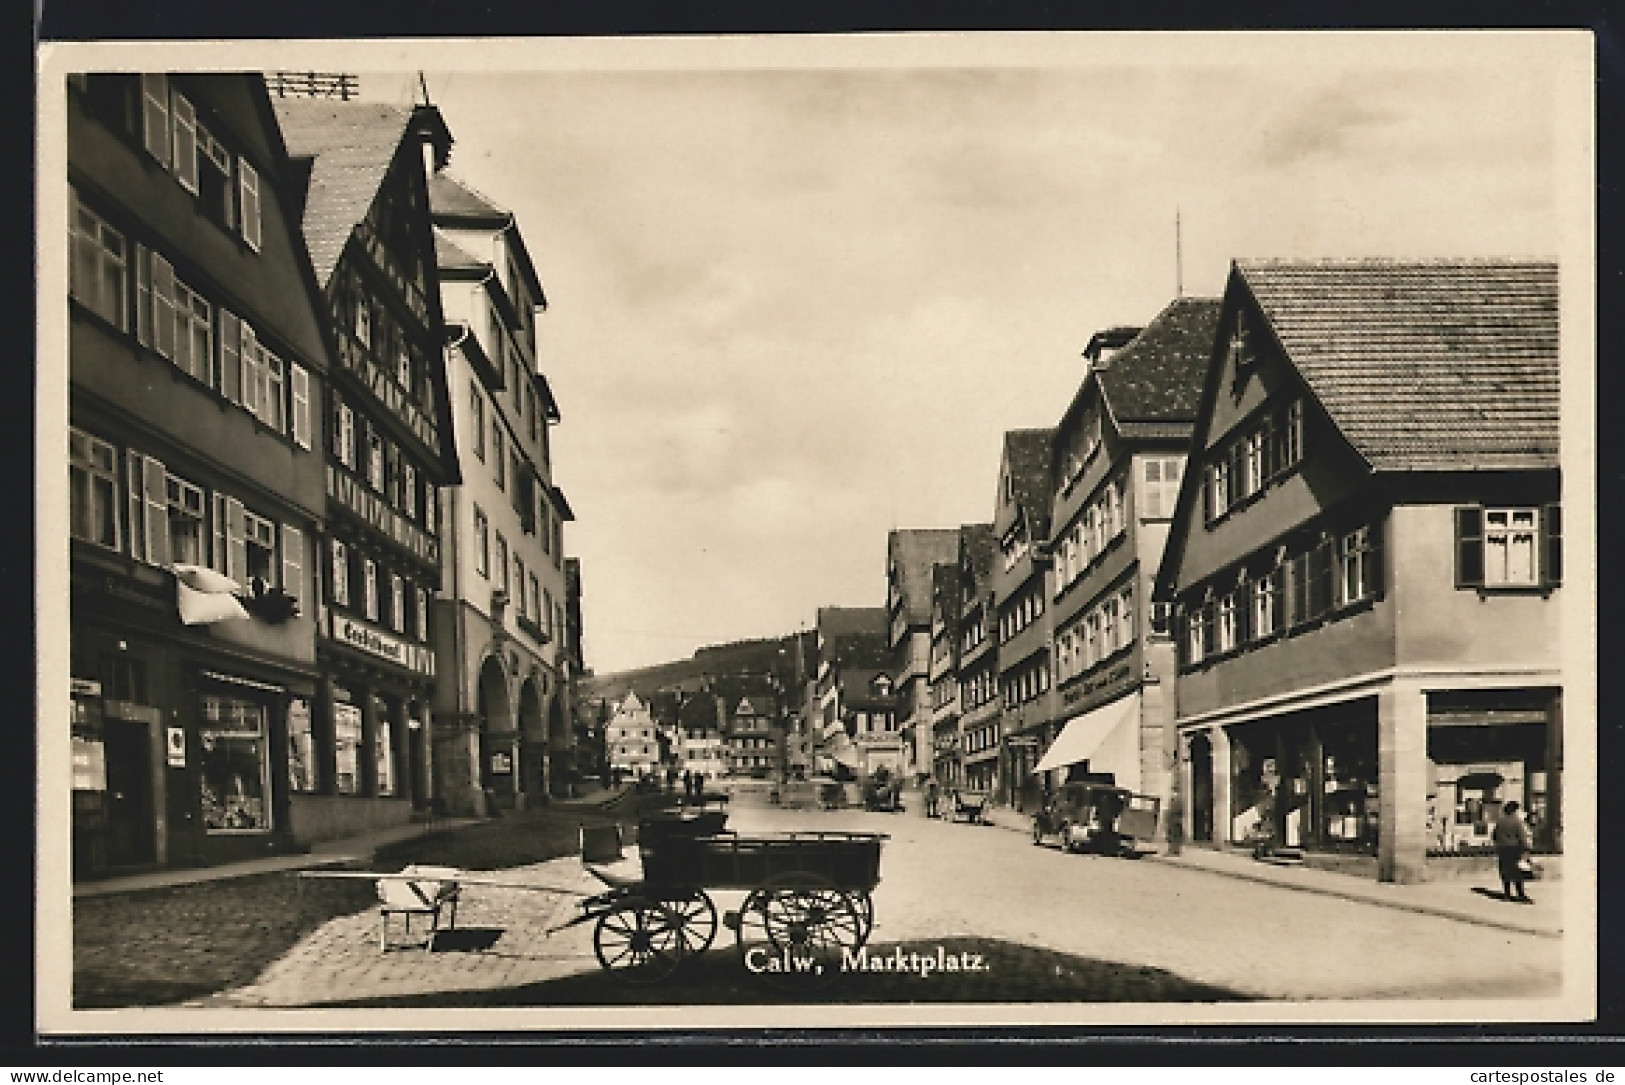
{"x": 713, "y": 661}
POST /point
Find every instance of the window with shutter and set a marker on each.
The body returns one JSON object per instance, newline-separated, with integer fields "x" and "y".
{"x": 340, "y": 573}
{"x": 344, "y": 434}
{"x": 299, "y": 382}
{"x": 163, "y": 306}
{"x": 143, "y": 295}
{"x": 1469, "y": 547}
{"x": 1373, "y": 561}
{"x": 236, "y": 540}
{"x": 369, "y": 588}
{"x": 397, "y": 603}
{"x": 248, "y": 197}
{"x": 272, "y": 401}
{"x": 155, "y": 115}
{"x": 1320, "y": 579}
{"x": 252, "y": 358}
{"x": 185, "y": 143}
{"x": 293, "y": 564}
{"x": 156, "y": 494}
{"x": 218, "y": 548}
{"x": 231, "y": 358}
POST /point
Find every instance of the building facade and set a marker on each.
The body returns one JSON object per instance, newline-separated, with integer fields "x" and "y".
{"x": 632, "y": 739}
{"x": 1366, "y": 558}
{"x": 1118, "y": 457}
{"x": 980, "y": 706}
{"x": 911, "y": 555}
{"x": 197, "y": 362}
{"x": 504, "y": 629}
{"x": 1020, "y": 612}
{"x": 387, "y": 433}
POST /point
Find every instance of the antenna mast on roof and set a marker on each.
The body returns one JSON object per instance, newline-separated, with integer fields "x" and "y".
{"x": 423, "y": 85}
{"x": 1179, "y": 259}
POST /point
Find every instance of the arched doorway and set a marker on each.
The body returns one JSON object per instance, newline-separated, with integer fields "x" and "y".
{"x": 498, "y": 740}
{"x": 1202, "y": 788}
{"x": 560, "y": 759}
{"x": 532, "y": 762}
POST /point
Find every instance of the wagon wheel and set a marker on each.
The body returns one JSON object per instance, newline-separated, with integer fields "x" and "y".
{"x": 794, "y": 931}
{"x": 639, "y": 940}
{"x": 864, "y": 905}
{"x": 696, "y": 919}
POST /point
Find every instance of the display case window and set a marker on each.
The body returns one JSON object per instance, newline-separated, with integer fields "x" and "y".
{"x": 301, "y": 747}
{"x": 235, "y": 772}
{"x": 384, "y": 752}
{"x": 347, "y": 748}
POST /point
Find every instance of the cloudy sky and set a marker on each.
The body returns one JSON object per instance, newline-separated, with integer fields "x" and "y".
{"x": 797, "y": 294}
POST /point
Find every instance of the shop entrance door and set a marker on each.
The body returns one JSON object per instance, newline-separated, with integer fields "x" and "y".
{"x": 130, "y": 840}
{"x": 1202, "y": 789}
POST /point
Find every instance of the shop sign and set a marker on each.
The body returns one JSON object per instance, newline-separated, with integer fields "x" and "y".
{"x": 1022, "y": 742}
{"x": 86, "y": 687}
{"x": 175, "y": 745}
{"x": 1117, "y": 674}
{"x": 385, "y": 645}
{"x": 501, "y": 763}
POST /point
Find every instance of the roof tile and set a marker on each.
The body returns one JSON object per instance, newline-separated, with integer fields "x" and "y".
{"x": 1436, "y": 365}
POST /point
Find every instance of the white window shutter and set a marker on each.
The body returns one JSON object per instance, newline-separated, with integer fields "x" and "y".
{"x": 155, "y": 115}
{"x": 251, "y": 368}
{"x": 236, "y": 545}
{"x": 248, "y": 189}
{"x": 185, "y": 146}
{"x": 231, "y": 356}
{"x": 135, "y": 490}
{"x": 143, "y": 294}
{"x": 299, "y": 381}
{"x": 293, "y": 563}
{"x": 157, "y": 525}
{"x": 163, "y": 306}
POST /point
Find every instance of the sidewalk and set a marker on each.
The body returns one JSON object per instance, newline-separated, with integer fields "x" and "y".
{"x": 327, "y": 853}
{"x": 1467, "y": 901}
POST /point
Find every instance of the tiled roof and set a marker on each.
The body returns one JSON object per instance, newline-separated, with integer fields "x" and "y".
{"x": 448, "y": 255}
{"x": 1158, "y": 376}
{"x": 451, "y": 199}
{"x": 836, "y": 622}
{"x": 353, "y": 144}
{"x": 916, "y": 550}
{"x": 978, "y": 544}
{"x": 859, "y": 649}
{"x": 1027, "y": 452}
{"x": 1439, "y": 365}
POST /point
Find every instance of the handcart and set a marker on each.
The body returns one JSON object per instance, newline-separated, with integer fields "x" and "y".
{"x": 807, "y": 898}
{"x": 969, "y": 806}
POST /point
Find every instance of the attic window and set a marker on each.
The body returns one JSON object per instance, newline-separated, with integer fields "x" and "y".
{"x": 1239, "y": 355}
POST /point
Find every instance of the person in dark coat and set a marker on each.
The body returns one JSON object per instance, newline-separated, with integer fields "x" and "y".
{"x": 1511, "y": 839}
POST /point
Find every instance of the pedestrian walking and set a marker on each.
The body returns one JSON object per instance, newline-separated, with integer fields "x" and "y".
{"x": 1511, "y": 839}
{"x": 931, "y": 797}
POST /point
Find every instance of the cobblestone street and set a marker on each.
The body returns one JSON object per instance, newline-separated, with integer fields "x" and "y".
{"x": 958, "y": 886}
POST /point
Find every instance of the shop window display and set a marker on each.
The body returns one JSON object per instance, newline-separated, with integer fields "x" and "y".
{"x": 301, "y": 747}
{"x": 347, "y": 748}
{"x": 384, "y": 753}
{"x": 234, "y": 769}
{"x": 1472, "y": 771}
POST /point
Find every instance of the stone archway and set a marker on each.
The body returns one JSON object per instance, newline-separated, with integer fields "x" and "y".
{"x": 560, "y": 757}
{"x": 498, "y": 740}
{"x": 533, "y": 769}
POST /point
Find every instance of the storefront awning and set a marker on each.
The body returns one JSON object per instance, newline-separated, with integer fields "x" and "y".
{"x": 1092, "y": 737}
